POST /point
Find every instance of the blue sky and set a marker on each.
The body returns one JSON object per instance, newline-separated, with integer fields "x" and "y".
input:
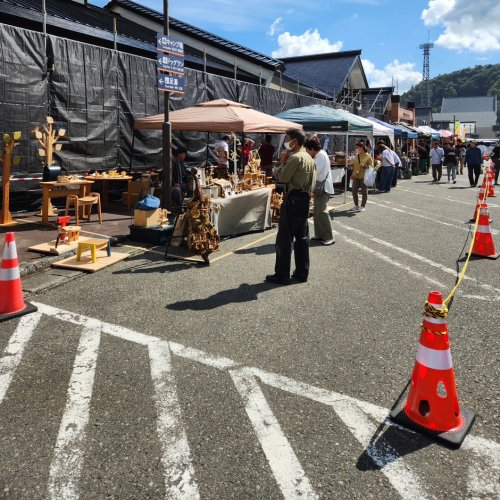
{"x": 466, "y": 33}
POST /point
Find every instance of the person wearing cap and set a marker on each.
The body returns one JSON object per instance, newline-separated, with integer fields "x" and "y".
{"x": 473, "y": 161}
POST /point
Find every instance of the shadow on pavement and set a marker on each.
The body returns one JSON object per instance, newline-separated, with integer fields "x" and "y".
{"x": 244, "y": 293}
{"x": 390, "y": 445}
{"x": 262, "y": 250}
{"x": 155, "y": 264}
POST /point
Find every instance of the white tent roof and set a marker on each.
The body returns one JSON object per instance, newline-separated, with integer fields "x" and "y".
{"x": 379, "y": 130}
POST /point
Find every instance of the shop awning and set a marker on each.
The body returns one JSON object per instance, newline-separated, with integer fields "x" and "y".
{"x": 426, "y": 130}
{"x": 411, "y": 132}
{"x": 221, "y": 116}
{"x": 397, "y": 130}
{"x": 378, "y": 129}
{"x": 320, "y": 118}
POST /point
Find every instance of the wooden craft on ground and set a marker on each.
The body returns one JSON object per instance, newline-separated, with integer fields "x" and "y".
{"x": 86, "y": 264}
{"x": 10, "y": 141}
{"x": 51, "y": 248}
{"x": 93, "y": 244}
{"x": 202, "y": 238}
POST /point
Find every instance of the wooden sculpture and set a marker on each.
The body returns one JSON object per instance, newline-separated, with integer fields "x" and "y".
{"x": 48, "y": 139}
{"x": 202, "y": 238}
{"x": 10, "y": 141}
{"x": 276, "y": 201}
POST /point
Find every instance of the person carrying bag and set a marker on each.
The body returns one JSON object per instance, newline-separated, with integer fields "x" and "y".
{"x": 362, "y": 162}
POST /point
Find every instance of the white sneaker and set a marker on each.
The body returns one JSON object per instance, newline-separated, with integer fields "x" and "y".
{"x": 362, "y": 209}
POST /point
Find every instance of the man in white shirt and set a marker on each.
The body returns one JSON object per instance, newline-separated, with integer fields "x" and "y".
{"x": 436, "y": 154}
{"x": 324, "y": 189}
{"x": 388, "y": 167}
{"x": 222, "y": 151}
{"x": 397, "y": 164}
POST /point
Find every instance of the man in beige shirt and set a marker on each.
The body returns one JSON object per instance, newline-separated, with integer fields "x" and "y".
{"x": 299, "y": 175}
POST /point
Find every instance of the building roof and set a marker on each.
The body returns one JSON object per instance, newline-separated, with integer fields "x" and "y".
{"x": 205, "y": 36}
{"x": 95, "y": 25}
{"x": 469, "y": 104}
{"x": 326, "y": 72}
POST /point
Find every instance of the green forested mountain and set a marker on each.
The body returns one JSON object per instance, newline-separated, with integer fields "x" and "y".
{"x": 468, "y": 82}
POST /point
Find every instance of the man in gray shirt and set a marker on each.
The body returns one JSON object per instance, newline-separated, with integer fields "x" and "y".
{"x": 436, "y": 154}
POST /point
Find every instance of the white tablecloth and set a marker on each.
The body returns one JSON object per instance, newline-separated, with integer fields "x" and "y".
{"x": 242, "y": 213}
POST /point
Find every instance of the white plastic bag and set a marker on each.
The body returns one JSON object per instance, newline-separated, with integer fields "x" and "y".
{"x": 370, "y": 176}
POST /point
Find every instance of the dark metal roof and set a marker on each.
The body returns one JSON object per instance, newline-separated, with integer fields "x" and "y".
{"x": 198, "y": 33}
{"x": 71, "y": 19}
{"x": 469, "y": 104}
{"x": 326, "y": 72}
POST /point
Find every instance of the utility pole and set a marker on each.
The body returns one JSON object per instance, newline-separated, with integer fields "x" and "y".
{"x": 167, "y": 130}
{"x": 426, "y": 47}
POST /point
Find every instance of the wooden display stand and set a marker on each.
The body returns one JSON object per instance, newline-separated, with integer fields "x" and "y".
{"x": 9, "y": 144}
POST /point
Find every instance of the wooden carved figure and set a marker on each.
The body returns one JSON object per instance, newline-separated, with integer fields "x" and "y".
{"x": 10, "y": 141}
{"x": 48, "y": 139}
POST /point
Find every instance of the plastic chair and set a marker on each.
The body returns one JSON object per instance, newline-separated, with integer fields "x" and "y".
{"x": 81, "y": 203}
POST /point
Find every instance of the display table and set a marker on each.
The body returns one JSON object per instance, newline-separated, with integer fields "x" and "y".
{"x": 60, "y": 190}
{"x": 105, "y": 186}
{"x": 242, "y": 213}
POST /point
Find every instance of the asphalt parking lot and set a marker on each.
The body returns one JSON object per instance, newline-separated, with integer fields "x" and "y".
{"x": 162, "y": 378}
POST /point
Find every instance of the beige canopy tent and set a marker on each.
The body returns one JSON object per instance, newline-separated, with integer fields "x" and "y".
{"x": 220, "y": 115}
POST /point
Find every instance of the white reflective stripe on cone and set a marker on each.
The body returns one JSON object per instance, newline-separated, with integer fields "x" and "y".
{"x": 10, "y": 251}
{"x": 436, "y": 321}
{"x": 432, "y": 358}
{"x": 9, "y": 274}
{"x": 484, "y": 229}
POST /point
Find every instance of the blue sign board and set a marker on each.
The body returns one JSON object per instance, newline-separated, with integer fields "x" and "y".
{"x": 171, "y": 83}
{"x": 169, "y": 44}
{"x": 170, "y": 63}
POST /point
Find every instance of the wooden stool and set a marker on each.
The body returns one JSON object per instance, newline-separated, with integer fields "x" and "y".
{"x": 84, "y": 201}
{"x": 93, "y": 245}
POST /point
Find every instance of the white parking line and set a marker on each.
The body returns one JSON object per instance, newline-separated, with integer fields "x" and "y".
{"x": 356, "y": 414}
{"x": 287, "y": 470}
{"x": 446, "y": 198}
{"x": 66, "y": 465}
{"x": 416, "y": 256}
{"x": 13, "y": 353}
{"x": 176, "y": 456}
{"x": 362, "y": 428}
{"x": 435, "y": 220}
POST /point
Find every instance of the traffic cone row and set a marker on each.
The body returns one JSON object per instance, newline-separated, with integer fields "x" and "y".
{"x": 431, "y": 406}
{"x": 484, "y": 246}
{"x": 12, "y": 303}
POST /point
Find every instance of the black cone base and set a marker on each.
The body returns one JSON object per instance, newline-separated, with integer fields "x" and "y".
{"x": 449, "y": 439}
{"x": 30, "y": 308}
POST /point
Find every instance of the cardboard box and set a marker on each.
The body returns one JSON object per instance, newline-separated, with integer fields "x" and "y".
{"x": 147, "y": 218}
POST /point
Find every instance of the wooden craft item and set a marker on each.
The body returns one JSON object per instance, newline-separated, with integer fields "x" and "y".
{"x": 9, "y": 143}
{"x": 47, "y": 135}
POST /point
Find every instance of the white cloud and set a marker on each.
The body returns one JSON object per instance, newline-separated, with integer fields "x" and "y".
{"x": 309, "y": 42}
{"x": 467, "y": 25}
{"x": 404, "y": 73}
{"x": 275, "y": 27}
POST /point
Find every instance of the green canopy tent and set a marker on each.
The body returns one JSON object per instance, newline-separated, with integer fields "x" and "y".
{"x": 319, "y": 118}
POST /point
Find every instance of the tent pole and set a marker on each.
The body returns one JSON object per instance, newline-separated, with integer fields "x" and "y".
{"x": 235, "y": 156}
{"x": 132, "y": 151}
{"x": 346, "y": 182}
{"x": 208, "y": 142}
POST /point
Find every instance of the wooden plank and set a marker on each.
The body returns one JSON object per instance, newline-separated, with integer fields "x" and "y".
{"x": 85, "y": 263}
{"x": 50, "y": 247}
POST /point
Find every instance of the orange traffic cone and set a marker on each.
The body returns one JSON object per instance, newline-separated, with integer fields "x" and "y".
{"x": 491, "y": 182}
{"x": 431, "y": 406}
{"x": 484, "y": 245}
{"x": 12, "y": 303}
{"x": 480, "y": 201}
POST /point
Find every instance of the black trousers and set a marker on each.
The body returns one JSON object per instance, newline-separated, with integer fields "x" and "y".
{"x": 437, "y": 171}
{"x": 474, "y": 173}
{"x": 292, "y": 232}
